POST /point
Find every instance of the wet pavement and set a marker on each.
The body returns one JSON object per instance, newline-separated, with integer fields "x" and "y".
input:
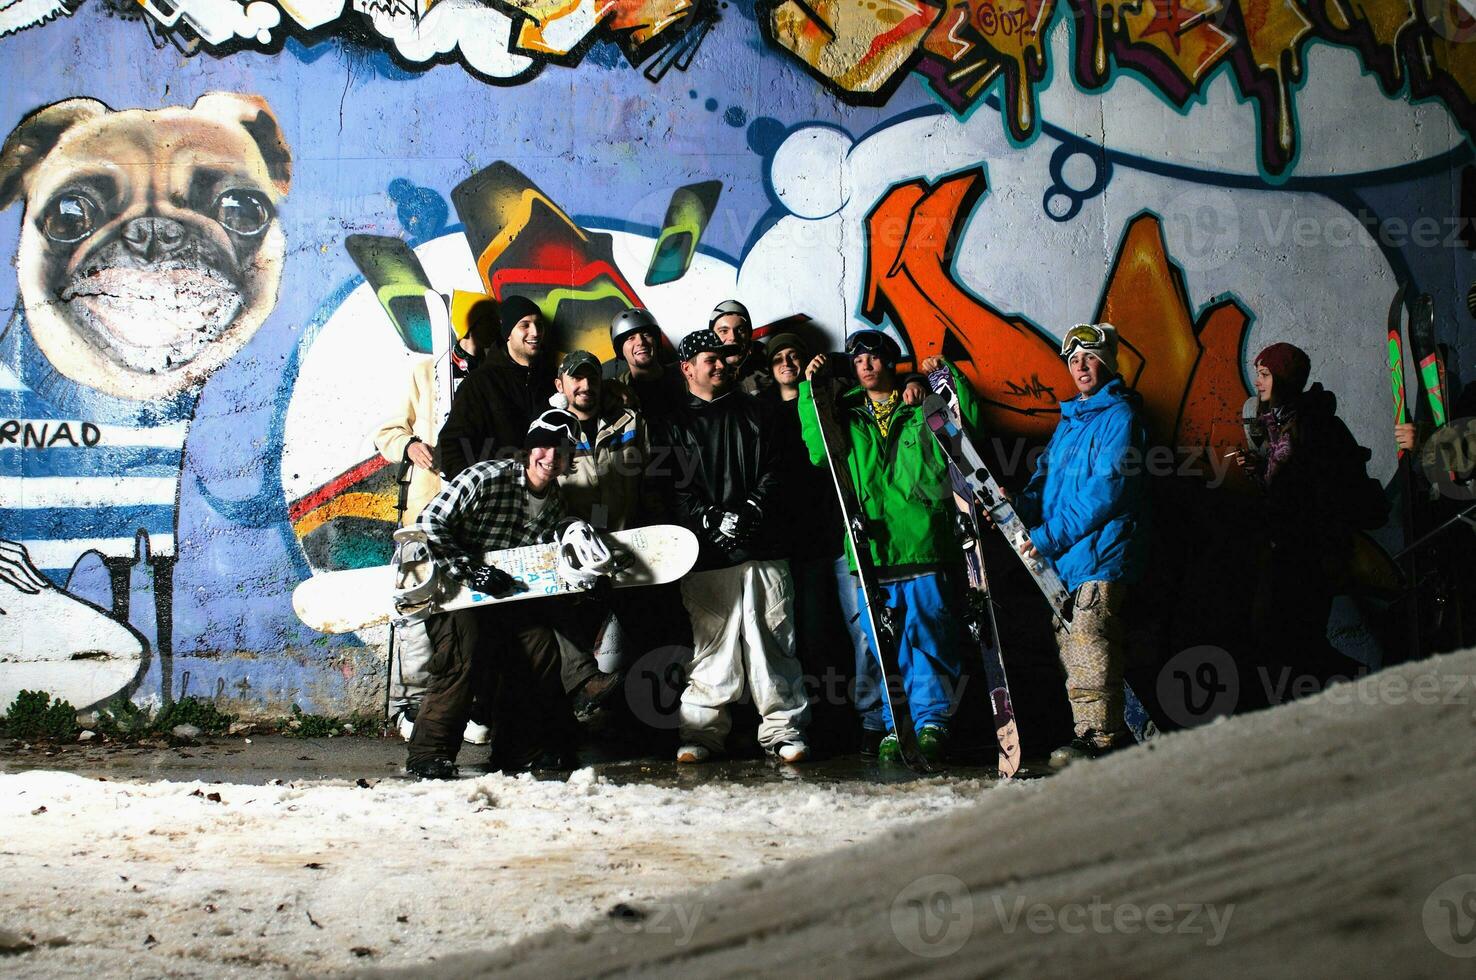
{"x": 258, "y": 759}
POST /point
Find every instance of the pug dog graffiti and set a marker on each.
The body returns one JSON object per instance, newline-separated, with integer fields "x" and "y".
{"x": 150, "y": 253}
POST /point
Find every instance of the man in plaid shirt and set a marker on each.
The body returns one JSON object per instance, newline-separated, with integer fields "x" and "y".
{"x": 490, "y": 506}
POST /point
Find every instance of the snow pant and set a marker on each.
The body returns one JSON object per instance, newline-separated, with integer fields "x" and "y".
{"x": 927, "y": 646}
{"x": 824, "y": 649}
{"x": 510, "y": 648}
{"x": 1289, "y": 615}
{"x": 1093, "y": 652}
{"x": 408, "y": 674}
{"x": 742, "y": 631}
{"x": 866, "y": 689}
{"x": 581, "y": 634}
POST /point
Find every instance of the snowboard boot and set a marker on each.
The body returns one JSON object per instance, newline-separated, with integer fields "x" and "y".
{"x": 871, "y": 739}
{"x": 932, "y": 740}
{"x": 436, "y": 767}
{"x": 889, "y": 750}
{"x": 1091, "y": 745}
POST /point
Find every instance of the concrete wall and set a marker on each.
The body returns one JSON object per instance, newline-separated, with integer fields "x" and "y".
{"x": 193, "y": 363}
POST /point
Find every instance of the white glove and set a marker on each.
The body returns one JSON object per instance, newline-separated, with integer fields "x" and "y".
{"x": 583, "y": 555}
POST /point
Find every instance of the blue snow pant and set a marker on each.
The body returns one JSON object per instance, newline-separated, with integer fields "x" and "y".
{"x": 866, "y": 692}
{"x": 927, "y": 646}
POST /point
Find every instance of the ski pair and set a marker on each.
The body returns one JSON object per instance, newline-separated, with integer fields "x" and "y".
{"x": 884, "y": 618}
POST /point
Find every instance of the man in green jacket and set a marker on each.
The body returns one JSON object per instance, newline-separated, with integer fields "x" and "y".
{"x": 901, "y": 479}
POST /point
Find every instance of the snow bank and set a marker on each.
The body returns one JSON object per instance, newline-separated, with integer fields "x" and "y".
{"x": 1330, "y": 837}
{"x": 212, "y": 879}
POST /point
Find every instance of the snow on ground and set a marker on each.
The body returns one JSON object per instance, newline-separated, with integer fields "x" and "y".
{"x": 147, "y": 879}
{"x": 1331, "y": 837}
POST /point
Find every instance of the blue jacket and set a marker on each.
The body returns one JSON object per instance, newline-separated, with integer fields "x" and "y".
{"x": 1085, "y": 505}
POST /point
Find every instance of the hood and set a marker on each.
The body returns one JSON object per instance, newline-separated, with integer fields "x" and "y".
{"x": 1113, "y": 393}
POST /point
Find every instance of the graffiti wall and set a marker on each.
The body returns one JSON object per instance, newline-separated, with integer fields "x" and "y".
{"x": 230, "y": 223}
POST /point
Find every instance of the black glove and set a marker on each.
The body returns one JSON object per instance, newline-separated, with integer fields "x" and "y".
{"x": 750, "y": 518}
{"x": 494, "y": 581}
{"x": 721, "y": 526}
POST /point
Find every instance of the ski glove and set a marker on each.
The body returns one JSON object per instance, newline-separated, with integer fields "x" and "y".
{"x": 494, "y": 581}
{"x": 584, "y": 558}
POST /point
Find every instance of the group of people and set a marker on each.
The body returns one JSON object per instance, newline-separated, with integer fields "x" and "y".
{"x": 725, "y": 441}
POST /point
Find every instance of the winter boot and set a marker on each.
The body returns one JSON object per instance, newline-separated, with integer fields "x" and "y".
{"x": 432, "y": 768}
{"x": 593, "y": 693}
{"x": 1091, "y": 745}
{"x": 791, "y": 751}
{"x": 693, "y": 753}
{"x": 889, "y": 749}
{"x": 932, "y": 741}
{"x": 870, "y": 742}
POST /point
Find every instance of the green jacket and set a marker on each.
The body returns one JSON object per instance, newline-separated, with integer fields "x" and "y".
{"x": 902, "y": 481}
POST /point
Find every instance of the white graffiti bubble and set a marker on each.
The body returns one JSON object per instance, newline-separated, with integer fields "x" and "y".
{"x": 809, "y": 171}
{"x": 1344, "y": 123}
{"x": 312, "y": 13}
{"x": 483, "y": 35}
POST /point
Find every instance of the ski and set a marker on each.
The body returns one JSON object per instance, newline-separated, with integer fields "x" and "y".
{"x": 1396, "y": 359}
{"x": 974, "y": 472}
{"x": 884, "y": 618}
{"x": 1430, "y": 365}
{"x": 979, "y": 604}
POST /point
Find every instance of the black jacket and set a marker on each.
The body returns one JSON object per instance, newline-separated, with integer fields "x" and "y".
{"x": 491, "y": 411}
{"x": 811, "y": 521}
{"x": 720, "y": 454}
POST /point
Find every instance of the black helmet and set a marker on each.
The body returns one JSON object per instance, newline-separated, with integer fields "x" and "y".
{"x": 874, "y": 342}
{"x": 627, "y": 322}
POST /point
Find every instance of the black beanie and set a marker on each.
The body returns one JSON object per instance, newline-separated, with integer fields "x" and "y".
{"x": 514, "y": 308}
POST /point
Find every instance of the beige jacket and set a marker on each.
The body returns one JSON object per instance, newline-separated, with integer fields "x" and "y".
{"x": 606, "y": 484}
{"x": 416, "y": 418}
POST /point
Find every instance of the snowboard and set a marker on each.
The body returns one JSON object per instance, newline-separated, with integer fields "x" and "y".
{"x": 979, "y": 607}
{"x": 964, "y": 458}
{"x": 360, "y": 598}
{"x": 885, "y": 620}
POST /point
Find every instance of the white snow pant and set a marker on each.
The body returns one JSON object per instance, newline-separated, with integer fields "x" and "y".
{"x": 742, "y": 629}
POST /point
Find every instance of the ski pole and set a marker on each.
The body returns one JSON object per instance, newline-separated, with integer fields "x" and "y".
{"x": 1465, "y": 516}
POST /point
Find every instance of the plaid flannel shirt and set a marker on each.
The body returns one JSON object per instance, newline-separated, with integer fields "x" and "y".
{"x": 485, "y": 509}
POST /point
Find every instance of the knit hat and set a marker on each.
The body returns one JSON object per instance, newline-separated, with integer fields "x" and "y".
{"x": 1097, "y": 339}
{"x": 514, "y": 308}
{"x": 781, "y": 341}
{"x": 1288, "y": 364}
{"x": 554, "y": 427}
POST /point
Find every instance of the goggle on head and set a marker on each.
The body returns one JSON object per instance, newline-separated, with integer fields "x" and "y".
{"x": 1090, "y": 337}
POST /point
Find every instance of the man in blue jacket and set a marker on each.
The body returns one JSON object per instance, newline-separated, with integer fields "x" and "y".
{"x": 1085, "y": 507}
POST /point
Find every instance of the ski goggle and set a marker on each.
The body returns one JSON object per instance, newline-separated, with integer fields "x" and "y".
{"x": 554, "y": 428}
{"x": 873, "y": 342}
{"x": 1087, "y": 336}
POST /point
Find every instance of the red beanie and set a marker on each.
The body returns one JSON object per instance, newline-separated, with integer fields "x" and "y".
{"x": 1288, "y": 364}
